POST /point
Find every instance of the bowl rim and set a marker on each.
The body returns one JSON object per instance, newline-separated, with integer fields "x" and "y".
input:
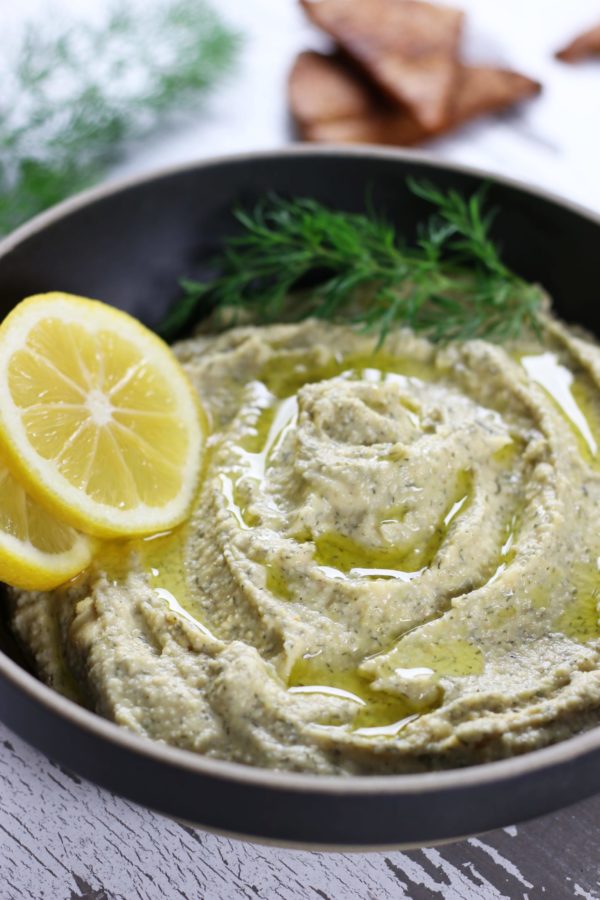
{"x": 562, "y": 752}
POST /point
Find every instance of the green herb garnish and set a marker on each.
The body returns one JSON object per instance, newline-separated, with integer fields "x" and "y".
{"x": 70, "y": 100}
{"x": 450, "y": 285}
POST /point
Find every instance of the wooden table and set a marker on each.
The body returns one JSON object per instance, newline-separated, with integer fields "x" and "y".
{"x": 64, "y": 839}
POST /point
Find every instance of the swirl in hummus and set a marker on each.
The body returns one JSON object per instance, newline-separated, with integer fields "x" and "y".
{"x": 392, "y": 565}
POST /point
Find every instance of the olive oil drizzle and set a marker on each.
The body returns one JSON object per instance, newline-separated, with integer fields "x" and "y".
{"x": 376, "y": 711}
{"x": 570, "y": 395}
{"x": 161, "y": 558}
{"x": 337, "y": 555}
{"x": 580, "y": 619}
{"x": 284, "y": 379}
{"x": 508, "y": 548}
{"x": 341, "y": 556}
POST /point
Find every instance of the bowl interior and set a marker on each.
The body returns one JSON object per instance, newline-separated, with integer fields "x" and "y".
{"x": 130, "y": 247}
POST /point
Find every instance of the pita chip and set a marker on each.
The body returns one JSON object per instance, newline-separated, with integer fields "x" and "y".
{"x": 407, "y": 47}
{"x": 324, "y": 87}
{"x": 360, "y": 116}
{"x": 587, "y": 44}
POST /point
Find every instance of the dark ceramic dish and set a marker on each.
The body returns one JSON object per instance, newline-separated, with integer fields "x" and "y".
{"x": 128, "y": 245}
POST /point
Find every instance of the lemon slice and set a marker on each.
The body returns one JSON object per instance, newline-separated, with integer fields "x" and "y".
{"x": 97, "y": 418}
{"x": 36, "y": 551}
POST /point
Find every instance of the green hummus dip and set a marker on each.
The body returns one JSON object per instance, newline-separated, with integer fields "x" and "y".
{"x": 392, "y": 564}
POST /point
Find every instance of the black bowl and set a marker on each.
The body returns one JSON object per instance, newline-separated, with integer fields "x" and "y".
{"x": 127, "y": 245}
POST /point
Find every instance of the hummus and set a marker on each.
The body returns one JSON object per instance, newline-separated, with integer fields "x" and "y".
{"x": 392, "y": 565}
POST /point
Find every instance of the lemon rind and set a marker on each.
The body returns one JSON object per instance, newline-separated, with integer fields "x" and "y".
{"x": 58, "y": 495}
{"x": 26, "y": 567}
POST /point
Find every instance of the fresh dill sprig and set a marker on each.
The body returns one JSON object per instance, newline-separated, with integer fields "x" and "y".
{"x": 451, "y": 284}
{"x": 70, "y": 97}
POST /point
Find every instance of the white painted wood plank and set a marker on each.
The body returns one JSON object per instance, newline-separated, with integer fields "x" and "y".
{"x": 61, "y": 837}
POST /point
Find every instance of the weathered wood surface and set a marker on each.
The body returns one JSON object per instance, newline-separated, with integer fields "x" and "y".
{"x": 65, "y": 839}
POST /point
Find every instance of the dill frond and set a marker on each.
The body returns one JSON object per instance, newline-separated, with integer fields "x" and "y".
{"x": 72, "y": 97}
{"x": 296, "y": 258}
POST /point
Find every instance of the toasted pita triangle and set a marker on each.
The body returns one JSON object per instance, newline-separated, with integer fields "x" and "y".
{"x": 586, "y": 44}
{"x": 324, "y": 87}
{"x": 408, "y": 48}
{"x": 331, "y": 103}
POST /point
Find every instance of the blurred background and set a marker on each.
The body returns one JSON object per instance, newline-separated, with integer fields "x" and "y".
{"x": 53, "y": 53}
